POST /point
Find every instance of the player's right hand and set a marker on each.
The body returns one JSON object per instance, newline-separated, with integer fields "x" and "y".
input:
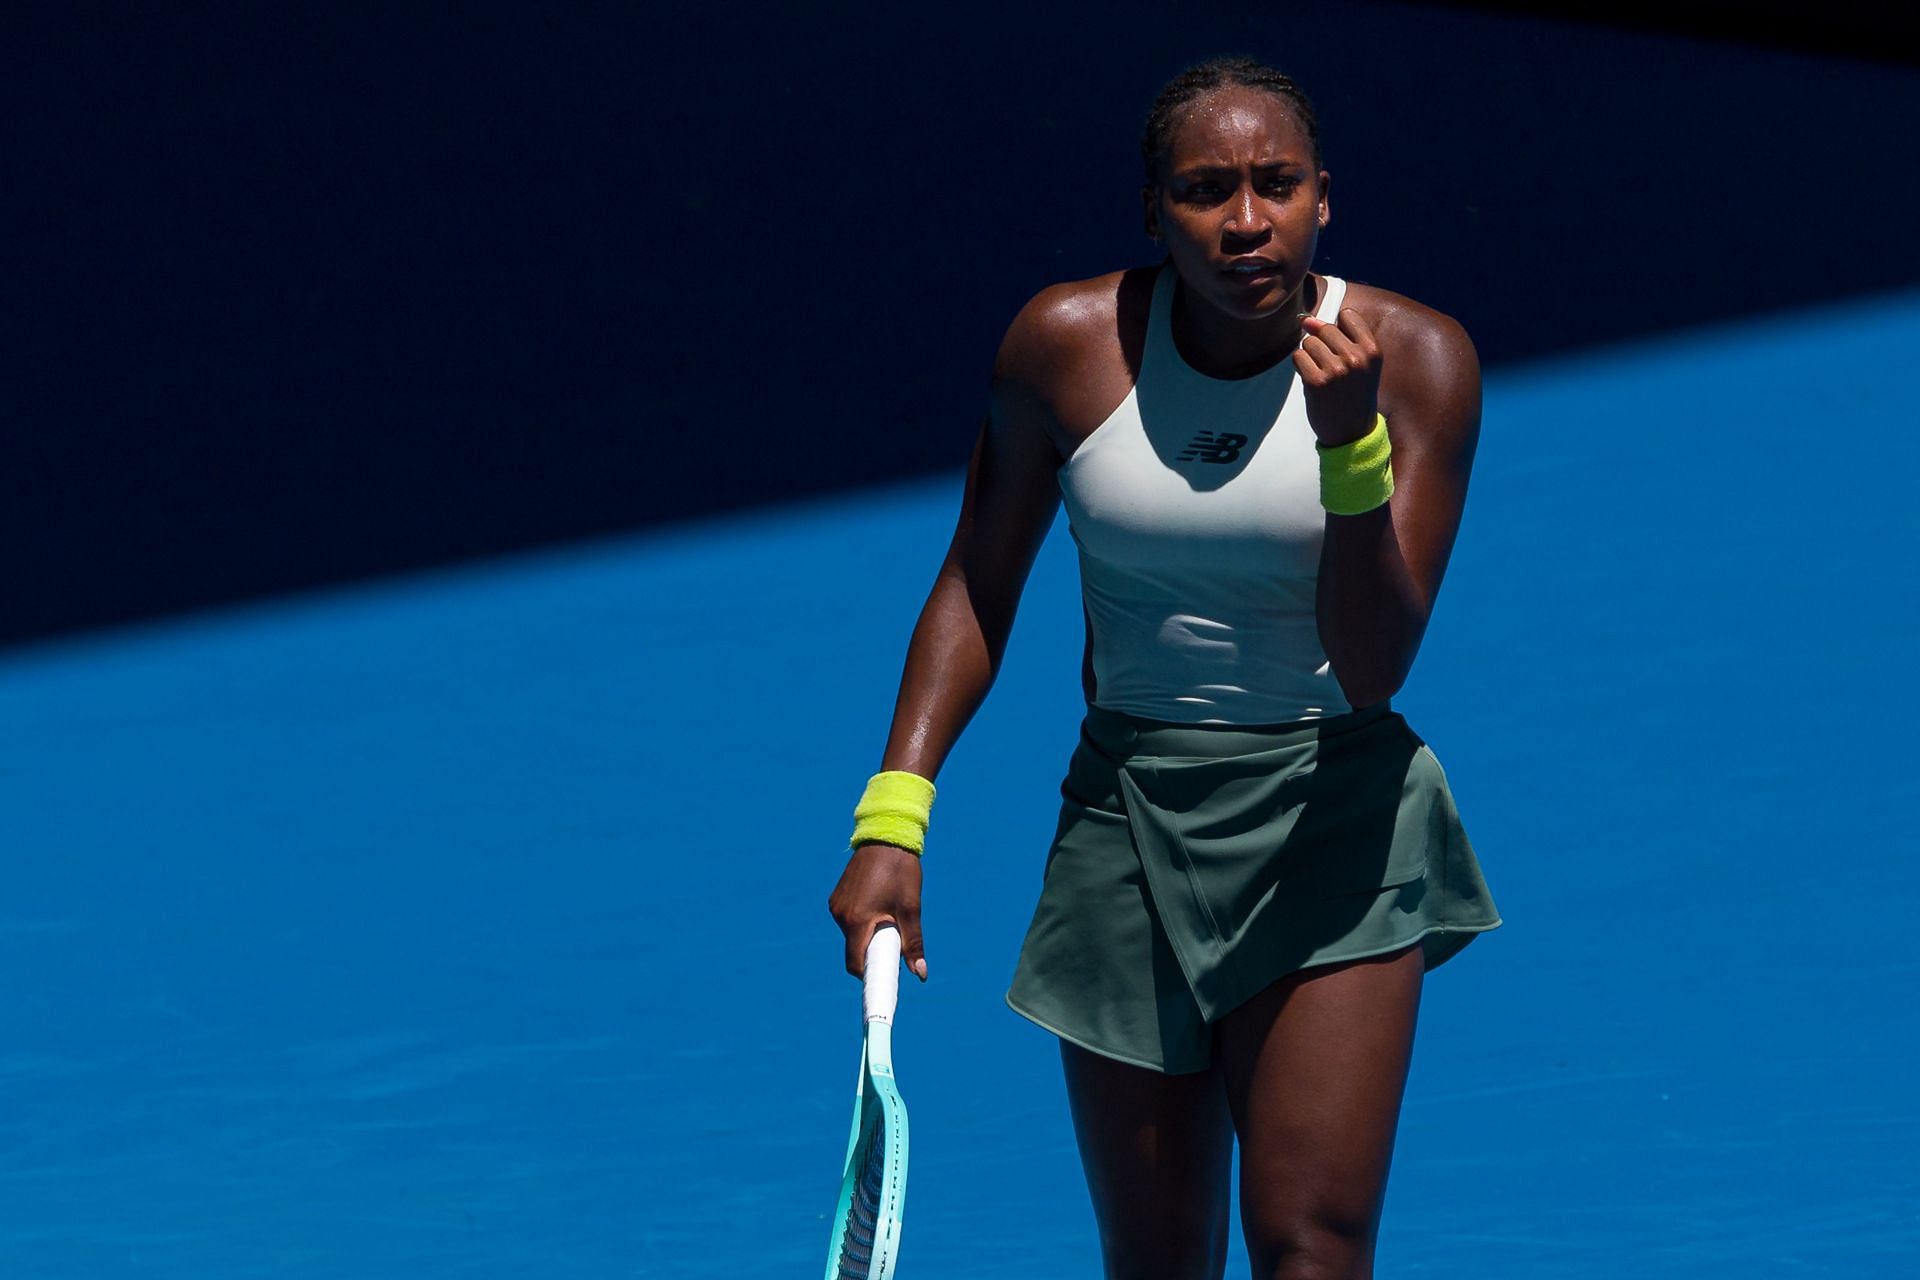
{"x": 880, "y": 885}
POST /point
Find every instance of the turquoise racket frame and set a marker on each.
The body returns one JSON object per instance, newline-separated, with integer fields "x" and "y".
{"x": 873, "y": 1184}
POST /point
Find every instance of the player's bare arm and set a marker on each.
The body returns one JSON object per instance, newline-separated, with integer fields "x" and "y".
{"x": 1381, "y": 570}
{"x": 1006, "y": 508}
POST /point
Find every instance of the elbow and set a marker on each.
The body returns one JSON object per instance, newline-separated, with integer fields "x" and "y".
{"x": 1362, "y": 696}
{"x": 1372, "y": 656}
{"x": 1366, "y": 683}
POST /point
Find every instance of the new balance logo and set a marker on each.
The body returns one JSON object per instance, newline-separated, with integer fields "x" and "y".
{"x": 1208, "y": 447}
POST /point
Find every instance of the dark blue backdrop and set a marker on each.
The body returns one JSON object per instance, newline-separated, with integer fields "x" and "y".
{"x": 311, "y": 293}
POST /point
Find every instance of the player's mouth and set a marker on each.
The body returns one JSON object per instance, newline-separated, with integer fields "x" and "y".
{"x": 1253, "y": 271}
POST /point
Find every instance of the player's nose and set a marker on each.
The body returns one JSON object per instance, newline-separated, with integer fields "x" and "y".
{"x": 1246, "y": 217}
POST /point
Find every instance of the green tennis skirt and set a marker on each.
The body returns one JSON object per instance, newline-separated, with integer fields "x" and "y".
{"x": 1196, "y": 864}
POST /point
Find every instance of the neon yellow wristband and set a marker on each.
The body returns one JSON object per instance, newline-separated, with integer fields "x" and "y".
{"x": 1358, "y": 476}
{"x": 893, "y": 810}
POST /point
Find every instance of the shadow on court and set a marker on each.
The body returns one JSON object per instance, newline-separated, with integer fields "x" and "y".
{"x": 474, "y": 924}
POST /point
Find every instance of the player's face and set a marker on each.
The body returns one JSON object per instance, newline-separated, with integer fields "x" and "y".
{"x": 1238, "y": 183}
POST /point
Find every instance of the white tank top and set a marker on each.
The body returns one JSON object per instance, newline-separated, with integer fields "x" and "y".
{"x": 1196, "y": 508}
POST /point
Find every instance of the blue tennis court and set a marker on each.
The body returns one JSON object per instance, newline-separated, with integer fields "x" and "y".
{"x": 473, "y": 924}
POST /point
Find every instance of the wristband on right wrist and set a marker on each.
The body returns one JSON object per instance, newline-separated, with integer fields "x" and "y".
{"x": 894, "y": 809}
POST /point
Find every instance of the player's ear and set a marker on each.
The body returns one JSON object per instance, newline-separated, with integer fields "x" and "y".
{"x": 1149, "y": 211}
{"x": 1325, "y": 211}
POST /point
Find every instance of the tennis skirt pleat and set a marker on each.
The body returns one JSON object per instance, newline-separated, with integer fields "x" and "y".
{"x": 1194, "y": 865}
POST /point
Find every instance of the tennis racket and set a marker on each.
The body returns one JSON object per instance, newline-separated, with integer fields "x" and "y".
{"x": 873, "y": 1188}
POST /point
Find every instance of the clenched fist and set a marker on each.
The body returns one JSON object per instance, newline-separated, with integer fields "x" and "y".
{"x": 1339, "y": 368}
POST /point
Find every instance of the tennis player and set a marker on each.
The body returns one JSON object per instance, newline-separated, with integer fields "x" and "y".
{"x": 1257, "y": 858}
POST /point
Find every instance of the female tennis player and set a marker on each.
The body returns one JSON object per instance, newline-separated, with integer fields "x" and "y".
{"x": 1257, "y": 859}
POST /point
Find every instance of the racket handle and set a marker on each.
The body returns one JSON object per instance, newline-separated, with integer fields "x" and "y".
{"x": 881, "y": 978}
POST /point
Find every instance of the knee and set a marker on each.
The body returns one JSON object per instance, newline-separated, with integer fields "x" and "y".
{"x": 1189, "y": 1245}
{"x": 1312, "y": 1249}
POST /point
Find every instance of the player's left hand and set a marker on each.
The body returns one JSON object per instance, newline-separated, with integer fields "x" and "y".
{"x": 1339, "y": 368}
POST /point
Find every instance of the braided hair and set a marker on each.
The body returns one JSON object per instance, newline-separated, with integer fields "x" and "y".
{"x": 1205, "y": 77}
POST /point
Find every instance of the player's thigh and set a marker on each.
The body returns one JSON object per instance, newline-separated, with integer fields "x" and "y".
{"x": 1315, "y": 1068}
{"x": 1158, "y": 1153}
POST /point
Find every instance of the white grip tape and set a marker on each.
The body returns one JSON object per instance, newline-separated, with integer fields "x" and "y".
{"x": 881, "y": 978}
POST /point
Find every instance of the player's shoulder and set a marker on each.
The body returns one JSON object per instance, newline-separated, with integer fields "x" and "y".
{"x": 1068, "y": 324}
{"x": 1429, "y": 371}
{"x": 1412, "y": 333}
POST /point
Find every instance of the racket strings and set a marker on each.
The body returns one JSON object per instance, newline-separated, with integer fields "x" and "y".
{"x": 863, "y": 1214}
